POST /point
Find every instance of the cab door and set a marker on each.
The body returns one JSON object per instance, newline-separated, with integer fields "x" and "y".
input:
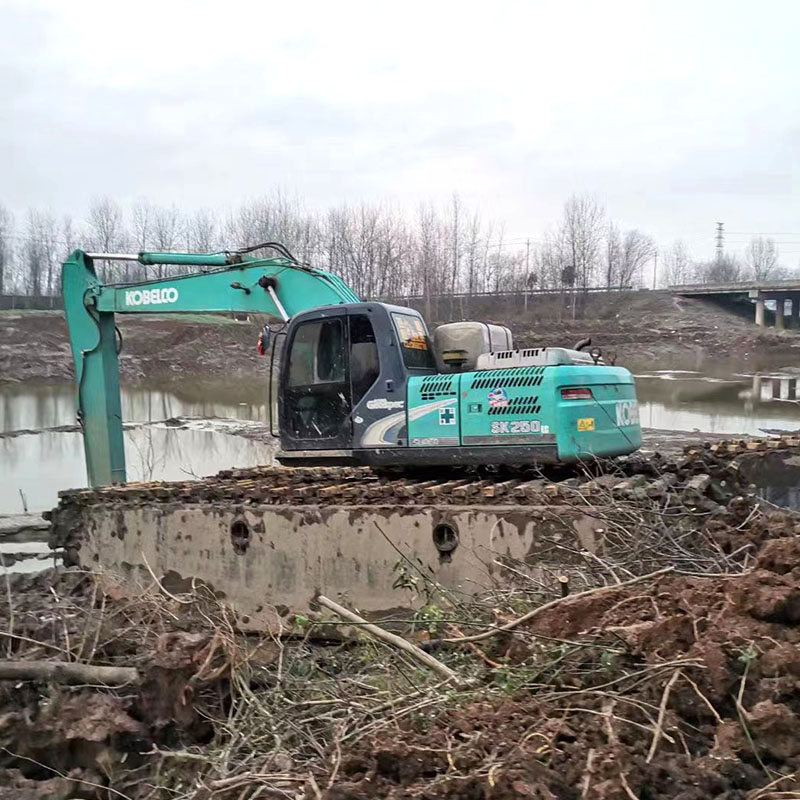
{"x": 315, "y": 396}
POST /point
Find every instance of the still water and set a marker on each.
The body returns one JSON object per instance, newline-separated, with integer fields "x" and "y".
{"x": 39, "y": 465}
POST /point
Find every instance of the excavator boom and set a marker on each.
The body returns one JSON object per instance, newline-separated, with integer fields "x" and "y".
{"x": 232, "y": 282}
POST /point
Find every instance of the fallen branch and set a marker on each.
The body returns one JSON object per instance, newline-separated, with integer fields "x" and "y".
{"x": 390, "y": 638}
{"x": 478, "y": 637}
{"x": 662, "y": 710}
{"x": 63, "y": 672}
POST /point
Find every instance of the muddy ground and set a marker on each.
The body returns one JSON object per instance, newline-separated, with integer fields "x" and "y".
{"x": 643, "y": 329}
{"x": 644, "y": 682}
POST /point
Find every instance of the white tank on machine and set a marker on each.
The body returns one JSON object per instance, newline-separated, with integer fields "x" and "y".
{"x": 458, "y": 345}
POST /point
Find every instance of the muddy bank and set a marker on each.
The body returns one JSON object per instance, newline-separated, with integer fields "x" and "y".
{"x": 640, "y": 328}
{"x": 645, "y": 681}
{"x": 648, "y": 329}
{"x": 35, "y": 346}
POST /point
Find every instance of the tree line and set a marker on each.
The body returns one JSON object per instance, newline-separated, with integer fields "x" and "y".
{"x": 379, "y": 251}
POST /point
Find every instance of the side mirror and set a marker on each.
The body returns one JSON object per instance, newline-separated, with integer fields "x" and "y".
{"x": 263, "y": 340}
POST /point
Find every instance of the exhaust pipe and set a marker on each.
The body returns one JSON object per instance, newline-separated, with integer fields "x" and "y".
{"x": 581, "y": 343}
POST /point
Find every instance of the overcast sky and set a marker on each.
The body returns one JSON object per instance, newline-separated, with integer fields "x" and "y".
{"x": 675, "y": 114}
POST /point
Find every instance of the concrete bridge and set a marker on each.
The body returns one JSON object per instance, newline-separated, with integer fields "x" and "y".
{"x": 781, "y": 292}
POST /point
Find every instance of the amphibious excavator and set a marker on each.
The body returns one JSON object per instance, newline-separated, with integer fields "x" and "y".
{"x": 362, "y": 388}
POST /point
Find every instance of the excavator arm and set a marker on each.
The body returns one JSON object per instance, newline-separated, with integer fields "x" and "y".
{"x": 224, "y": 282}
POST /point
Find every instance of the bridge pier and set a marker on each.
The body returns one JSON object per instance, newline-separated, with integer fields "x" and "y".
{"x": 780, "y": 311}
{"x": 758, "y": 293}
{"x": 760, "y": 311}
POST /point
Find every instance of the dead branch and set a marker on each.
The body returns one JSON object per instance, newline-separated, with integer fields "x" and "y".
{"x": 390, "y": 638}
{"x": 63, "y": 672}
{"x": 662, "y": 709}
{"x": 478, "y": 637}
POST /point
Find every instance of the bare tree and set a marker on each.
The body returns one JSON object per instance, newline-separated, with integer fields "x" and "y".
{"x": 167, "y": 227}
{"x": 6, "y": 234}
{"x": 637, "y": 250}
{"x": 582, "y": 227}
{"x": 106, "y": 230}
{"x": 40, "y": 252}
{"x": 473, "y": 252}
{"x": 727, "y": 269}
{"x": 613, "y": 255}
{"x": 761, "y": 258}
{"x": 456, "y": 244}
{"x": 677, "y": 264}
{"x": 202, "y": 232}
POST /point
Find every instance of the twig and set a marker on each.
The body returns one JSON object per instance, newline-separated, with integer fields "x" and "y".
{"x": 707, "y": 702}
{"x": 662, "y": 709}
{"x": 587, "y": 773}
{"x": 28, "y": 639}
{"x": 478, "y": 637}
{"x": 161, "y": 586}
{"x": 397, "y": 641}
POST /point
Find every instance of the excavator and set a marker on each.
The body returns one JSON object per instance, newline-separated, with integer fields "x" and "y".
{"x": 371, "y": 407}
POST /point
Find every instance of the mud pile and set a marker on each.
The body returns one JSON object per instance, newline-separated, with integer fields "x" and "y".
{"x": 687, "y": 689}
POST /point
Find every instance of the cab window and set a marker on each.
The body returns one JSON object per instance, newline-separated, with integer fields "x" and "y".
{"x": 414, "y": 343}
{"x": 317, "y": 354}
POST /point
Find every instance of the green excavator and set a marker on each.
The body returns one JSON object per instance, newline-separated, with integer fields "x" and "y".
{"x": 360, "y": 383}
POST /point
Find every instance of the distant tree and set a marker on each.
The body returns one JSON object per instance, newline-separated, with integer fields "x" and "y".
{"x": 167, "y": 230}
{"x": 106, "y": 231}
{"x": 761, "y": 258}
{"x": 727, "y": 269}
{"x": 6, "y": 250}
{"x": 202, "y": 232}
{"x": 637, "y": 250}
{"x": 581, "y": 235}
{"x": 40, "y": 252}
{"x": 613, "y": 255}
{"x": 677, "y": 264}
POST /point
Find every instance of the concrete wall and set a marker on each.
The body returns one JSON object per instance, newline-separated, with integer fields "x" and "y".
{"x": 267, "y": 563}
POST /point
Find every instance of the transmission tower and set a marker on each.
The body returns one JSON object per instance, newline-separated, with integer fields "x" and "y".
{"x": 720, "y": 240}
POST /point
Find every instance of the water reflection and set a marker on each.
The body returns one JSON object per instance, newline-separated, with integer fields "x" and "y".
{"x": 736, "y": 404}
{"x": 40, "y": 465}
{"x": 34, "y": 406}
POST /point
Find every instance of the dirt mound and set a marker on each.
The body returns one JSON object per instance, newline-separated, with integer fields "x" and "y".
{"x": 687, "y": 689}
{"x": 153, "y": 347}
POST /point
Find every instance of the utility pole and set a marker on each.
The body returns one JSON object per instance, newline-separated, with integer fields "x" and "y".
{"x": 720, "y": 241}
{"x": 655, "y": 268}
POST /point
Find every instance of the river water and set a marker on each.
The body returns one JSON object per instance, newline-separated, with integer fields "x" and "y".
{"x": 36, "y": 466}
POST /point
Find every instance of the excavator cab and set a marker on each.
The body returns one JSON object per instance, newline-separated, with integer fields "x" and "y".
{"x": 343, "y": 368}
